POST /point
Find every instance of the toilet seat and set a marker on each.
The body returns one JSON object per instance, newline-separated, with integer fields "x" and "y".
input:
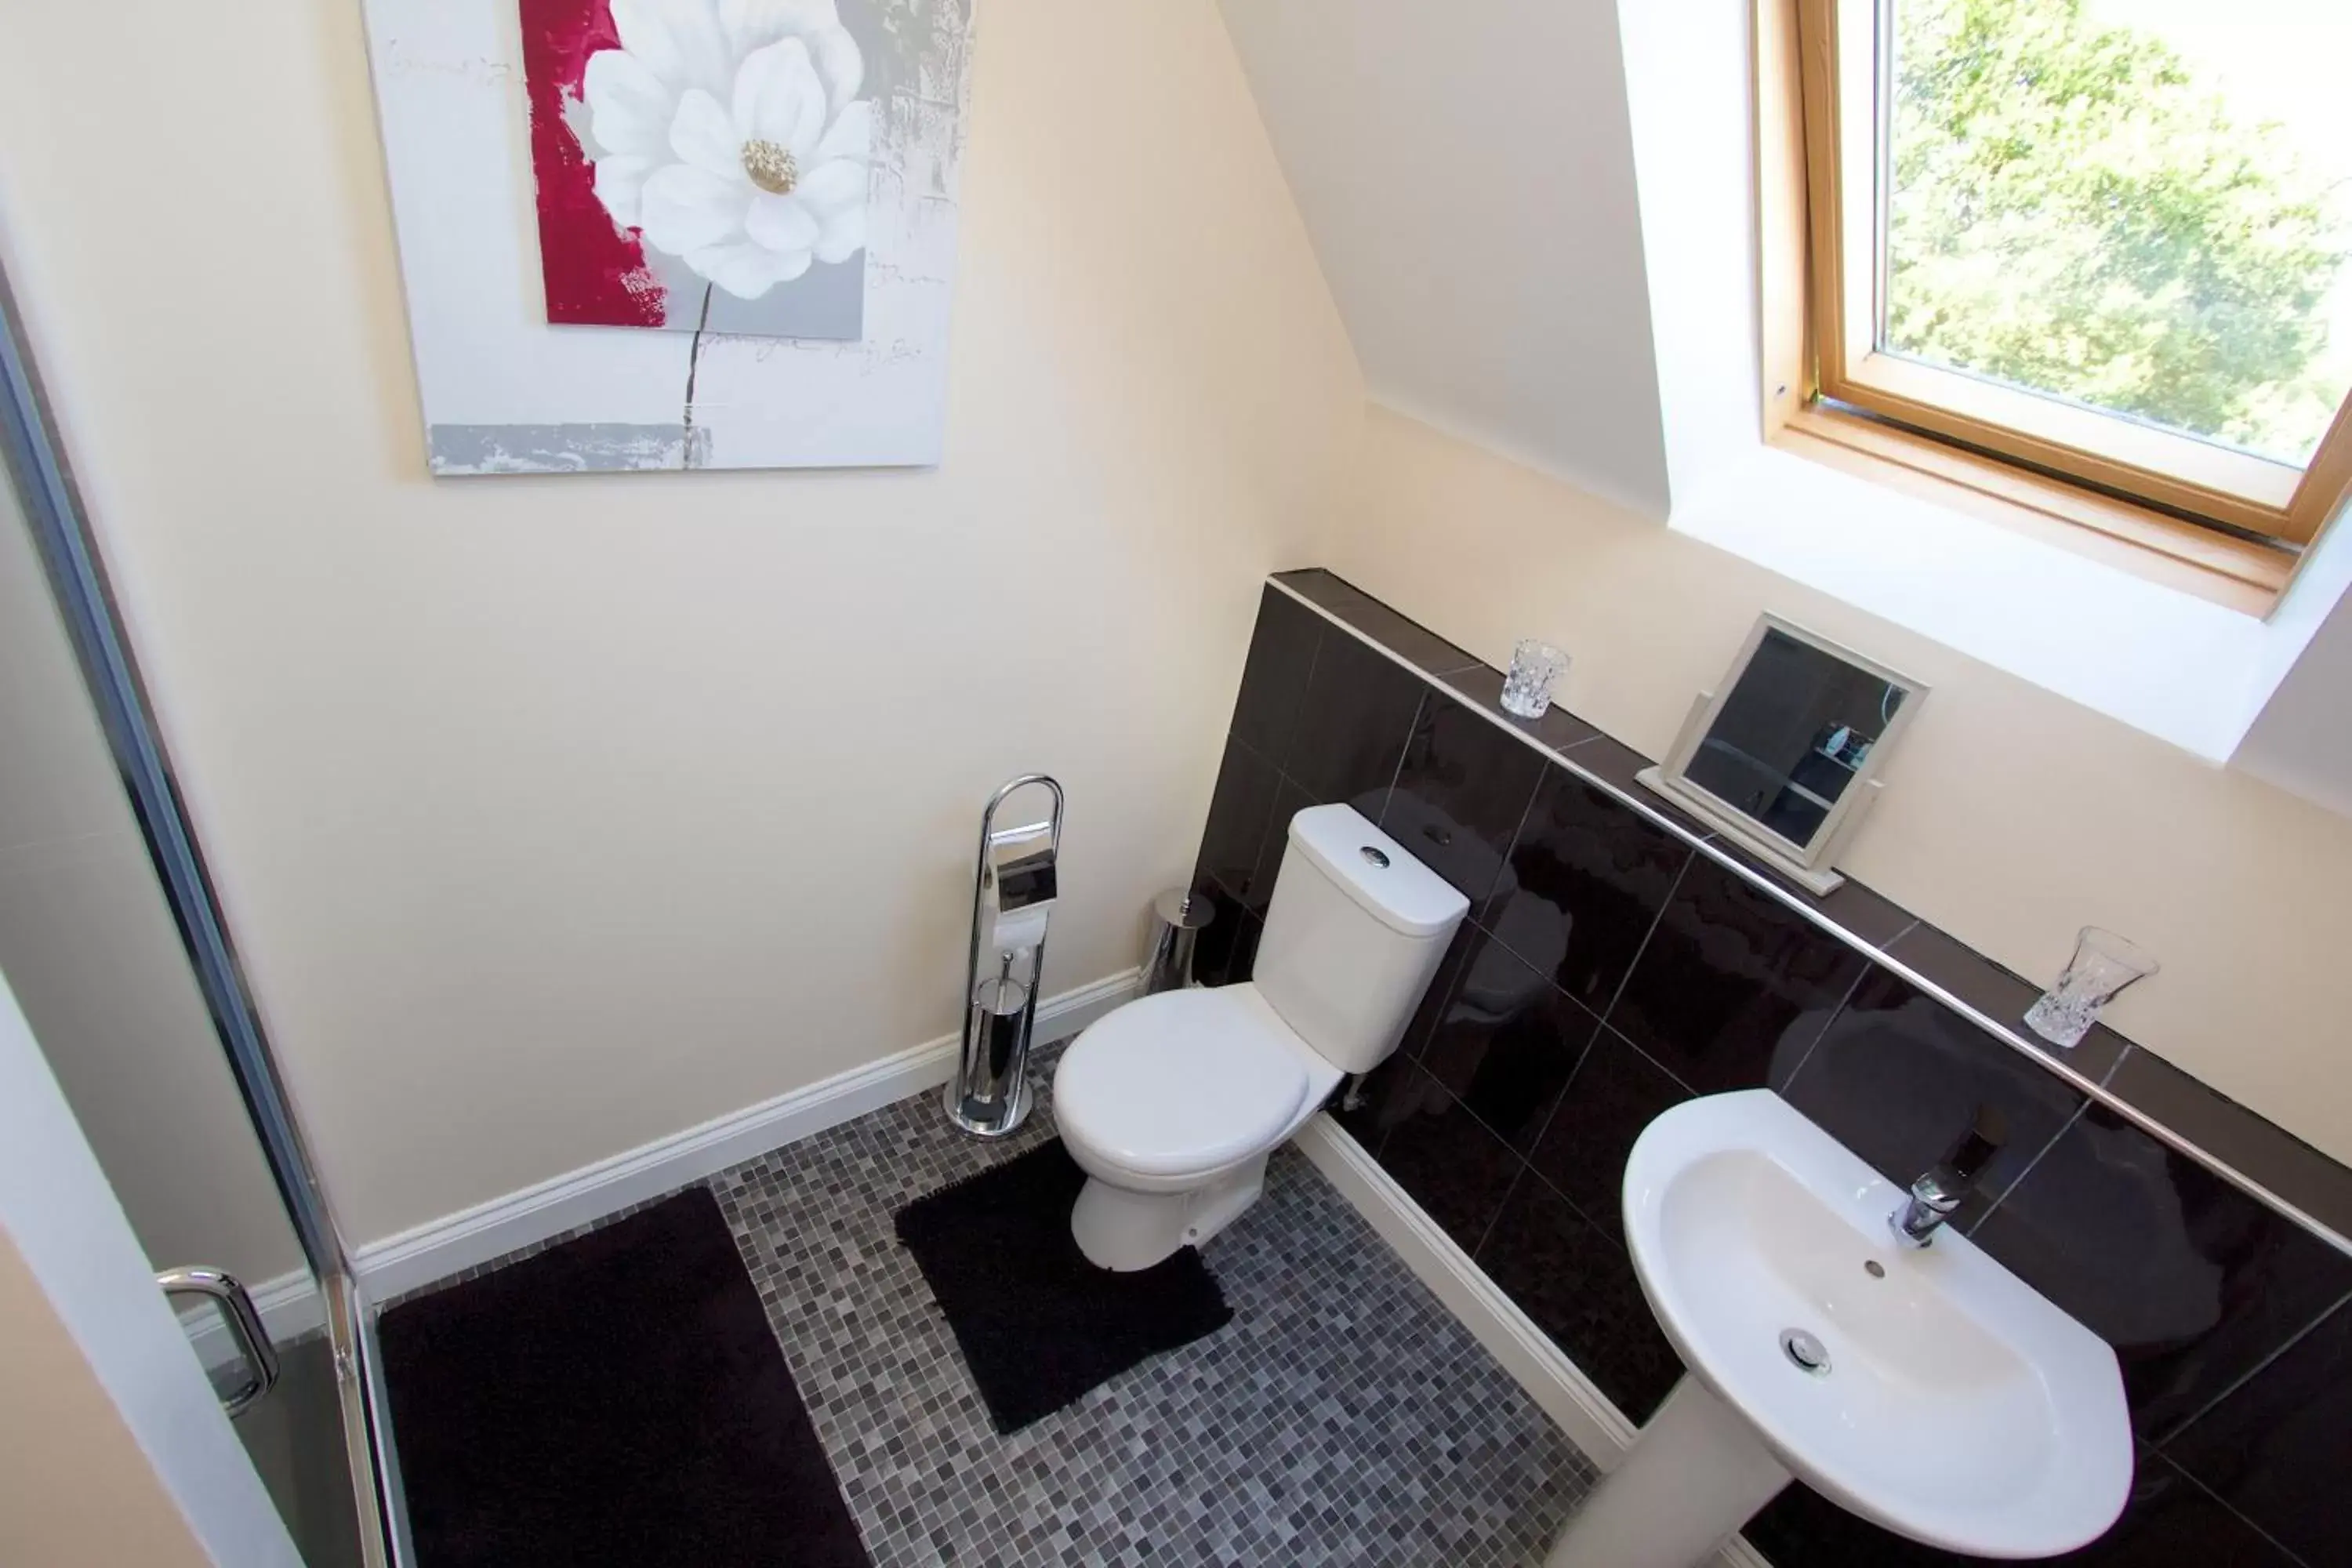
{"x": 1183, "y": 1083}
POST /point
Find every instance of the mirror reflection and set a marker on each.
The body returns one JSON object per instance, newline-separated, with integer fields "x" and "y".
{"x": 1791, "y": 738}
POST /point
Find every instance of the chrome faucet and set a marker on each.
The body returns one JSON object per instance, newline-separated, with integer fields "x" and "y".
{"x": 1936, "y": 1193}
{"x": 1941, "y": 1188}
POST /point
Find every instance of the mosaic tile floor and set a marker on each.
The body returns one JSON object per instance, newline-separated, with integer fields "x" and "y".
{"x": 1343, "y": 1418}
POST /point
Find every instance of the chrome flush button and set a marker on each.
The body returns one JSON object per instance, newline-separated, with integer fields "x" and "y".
{"x": 1374, "y": 856}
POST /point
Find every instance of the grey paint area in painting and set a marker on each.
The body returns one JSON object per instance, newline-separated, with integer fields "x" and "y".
{"x": 828, "y": 302}
{"x": 565, "y": 449}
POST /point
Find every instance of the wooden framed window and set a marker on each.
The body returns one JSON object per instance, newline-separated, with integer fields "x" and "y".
{"x": 2088, "y": 258}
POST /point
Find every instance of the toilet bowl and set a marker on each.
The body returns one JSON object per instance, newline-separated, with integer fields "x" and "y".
{"x": 1171, "y": 1104}
{"x": 1171, "y": 1108}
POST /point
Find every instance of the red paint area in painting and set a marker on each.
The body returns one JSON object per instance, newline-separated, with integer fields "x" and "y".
{"x": 596, "y": 272}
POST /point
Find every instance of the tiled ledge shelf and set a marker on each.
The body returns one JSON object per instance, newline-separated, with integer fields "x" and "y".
{"x": 2241, "y": 1147}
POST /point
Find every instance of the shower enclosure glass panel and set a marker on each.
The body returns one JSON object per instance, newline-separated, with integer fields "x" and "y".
{"x": 109, "y": 941}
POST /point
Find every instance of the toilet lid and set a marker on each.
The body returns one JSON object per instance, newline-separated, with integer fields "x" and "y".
{"x": 1184, "y": 1081}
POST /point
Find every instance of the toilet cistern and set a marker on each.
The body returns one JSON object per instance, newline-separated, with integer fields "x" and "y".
{"x": 1171, "y": 1104}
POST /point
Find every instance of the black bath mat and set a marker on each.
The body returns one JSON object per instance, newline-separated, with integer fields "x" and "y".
{"x": 617, "y": 1399}
{"x": 1039, "y": 1324}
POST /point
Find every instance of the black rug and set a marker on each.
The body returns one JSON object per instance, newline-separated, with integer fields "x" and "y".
{"x": 617, "y": 1399}
{"x": 1039, "y": 1324}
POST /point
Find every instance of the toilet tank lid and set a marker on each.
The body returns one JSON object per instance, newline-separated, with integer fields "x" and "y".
{"x": 1376, "y": 871}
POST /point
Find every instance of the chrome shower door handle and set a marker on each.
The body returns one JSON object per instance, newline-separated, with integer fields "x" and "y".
{"x": 244, "y": 1320}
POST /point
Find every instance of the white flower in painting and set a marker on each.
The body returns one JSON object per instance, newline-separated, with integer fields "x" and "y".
{"x": 731, "y": 134}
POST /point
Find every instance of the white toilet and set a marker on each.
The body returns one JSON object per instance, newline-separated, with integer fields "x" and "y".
{"x": 1171, "y": 1104}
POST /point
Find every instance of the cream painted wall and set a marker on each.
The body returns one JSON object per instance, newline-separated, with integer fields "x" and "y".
{"x": 76, "y": 1488}
{"x": 558, "y": 814}
{"x": 88, "y": 942}
{"x": 2013, "y": 816}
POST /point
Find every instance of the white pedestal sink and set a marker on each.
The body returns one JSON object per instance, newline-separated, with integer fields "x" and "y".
{"x": 1929, "y": 1390}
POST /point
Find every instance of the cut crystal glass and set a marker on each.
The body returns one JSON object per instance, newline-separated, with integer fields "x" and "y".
{"x": 2104, "y": 964}
{"x": 1535, "y": 667}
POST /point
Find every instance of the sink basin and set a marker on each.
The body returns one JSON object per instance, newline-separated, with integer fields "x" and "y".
{"x": 1929, "y": 1390}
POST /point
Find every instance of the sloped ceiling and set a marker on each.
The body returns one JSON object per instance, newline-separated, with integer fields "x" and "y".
{"x": 2303, "y": 740}
{"x": 1467, "y": 174}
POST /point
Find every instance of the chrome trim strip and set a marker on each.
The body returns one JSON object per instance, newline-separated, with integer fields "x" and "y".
{"x": 2091, "y": 1089}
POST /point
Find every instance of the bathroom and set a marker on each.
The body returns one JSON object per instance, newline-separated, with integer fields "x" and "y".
{"x": 510, "y": 854}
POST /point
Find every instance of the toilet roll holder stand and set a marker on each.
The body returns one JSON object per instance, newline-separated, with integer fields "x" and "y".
{"x": 1011, "y": 904}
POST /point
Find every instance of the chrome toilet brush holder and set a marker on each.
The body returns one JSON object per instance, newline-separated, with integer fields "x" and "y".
{"x": 1177, "y": 919}
{"x": 1012, "y": 905}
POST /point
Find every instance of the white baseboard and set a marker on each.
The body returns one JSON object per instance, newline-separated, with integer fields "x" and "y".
{"x": 401, "y": 1263}
{"x": 398, "y": 1264}
{"x": 1557, "y": 1385}
{"x": 1555, "y": 1382}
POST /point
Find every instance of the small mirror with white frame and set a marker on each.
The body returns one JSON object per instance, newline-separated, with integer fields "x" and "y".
{"x": 1785, "y": 757}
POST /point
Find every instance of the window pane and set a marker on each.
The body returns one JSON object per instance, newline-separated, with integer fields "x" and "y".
{"x": 2143, "y": 205}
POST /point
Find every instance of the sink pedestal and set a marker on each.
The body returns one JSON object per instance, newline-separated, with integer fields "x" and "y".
{"x": 1693, "y": 1476}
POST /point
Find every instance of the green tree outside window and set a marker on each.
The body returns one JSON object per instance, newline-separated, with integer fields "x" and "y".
{"x": 2073, "y": 211}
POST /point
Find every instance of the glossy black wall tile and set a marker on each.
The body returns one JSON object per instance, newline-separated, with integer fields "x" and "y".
{"x": 1971, "y": 978}
{"x": 1226, "y": 947}
{"x": 1274, "y": 681}
{"x": 1620, "y": 764}
{"x": 1454, "y": 1167}
{"x": 1506, "y": 1043}
{"x": 1874, "y": 918}
{"x": 1414, "y": 642}
{"x": 1897, "y": 1078}
{"x": 1617, "y": 1092}
{"x": 1238, "y": 814}
{"x": 2168, "y": 1521}
{"x": 1319, "y": 586}
{"x": 1585, "y": 881}
{"x": 1508, "y": 1110}
{"x": 1574, "y": 1279}
{"x": 1432, "y": 653}
{"x": 2193, "y": 1282}
{"x": 1466, "y": 941}
{"x": 1368, "y": 1109}
{"x": 1289, "y": 800}
{"x": 1459, "y": 794}
{"x": 2260, "y": 1149}
{"x": 1731, "y": 982}
{"x": 1558, "y": 728}
{"x": 2279, "y": 1448}
{"x": 1351, "y": 727}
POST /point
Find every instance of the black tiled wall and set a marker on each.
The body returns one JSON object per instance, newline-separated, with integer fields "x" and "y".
{"x": 1612, "y": 968}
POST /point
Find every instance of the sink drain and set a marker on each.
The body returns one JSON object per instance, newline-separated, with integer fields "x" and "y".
{"x": 1808, "y": 1354}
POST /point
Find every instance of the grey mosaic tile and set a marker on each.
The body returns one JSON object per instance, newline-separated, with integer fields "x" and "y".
{"x": 1344, "y": 1416}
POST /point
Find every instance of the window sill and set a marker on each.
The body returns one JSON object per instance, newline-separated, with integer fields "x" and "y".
{"x": 2046, "y": 602}
{"x": 2236, "y": 574}
{"x": 2033, "y": 598}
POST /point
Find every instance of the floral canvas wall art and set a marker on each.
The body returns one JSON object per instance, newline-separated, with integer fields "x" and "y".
{"x": 700, "y": 165}
{"x": 675, "y": 234}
